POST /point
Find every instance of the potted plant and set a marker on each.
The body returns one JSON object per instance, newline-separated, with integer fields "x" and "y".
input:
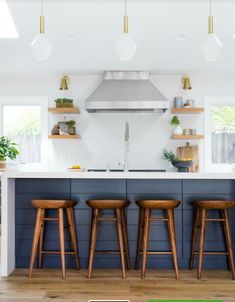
{"x": 7, "y": 150}
{"x": 181, "y": 164}
{"x": 71, "y": 127}
{"x": 63, "y": 103}
{"x": 176, "y": 122}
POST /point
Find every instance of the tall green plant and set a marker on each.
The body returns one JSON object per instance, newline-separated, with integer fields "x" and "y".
{"x": 7, "y": 149}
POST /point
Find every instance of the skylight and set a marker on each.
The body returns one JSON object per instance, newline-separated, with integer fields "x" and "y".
{"x": 7, "y": 25}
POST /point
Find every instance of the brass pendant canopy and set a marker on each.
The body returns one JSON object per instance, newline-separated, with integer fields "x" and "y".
{"x": 64, "y": 83}
{"x": 186, "y": 83}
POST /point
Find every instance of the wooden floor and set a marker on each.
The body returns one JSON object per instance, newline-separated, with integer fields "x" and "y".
{"x": 46, "y": 285}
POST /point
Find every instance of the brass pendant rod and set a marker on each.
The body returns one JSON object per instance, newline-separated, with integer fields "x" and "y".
{"x": 42, "y": 19}
{"x": 125, "y": 29}
{"x": 210, "y": 21}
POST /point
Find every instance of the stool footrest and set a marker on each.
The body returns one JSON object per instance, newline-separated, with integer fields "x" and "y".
{"x": 213, "y": 253}
{"x": 57, "y": 252}
{"x": 158, "y": 219}
{"x": 50, "y": 219}
{"x": 214, "y": 219}
{"x": 107, "y": 252}
{"x": 157, "y": 253}
{"x": 107, "y": 219}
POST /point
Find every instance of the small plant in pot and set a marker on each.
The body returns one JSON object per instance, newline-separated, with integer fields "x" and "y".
{"x": 63, "y": 103}
{"x": 179, "y": 163}
{"x": 7, "y": 150}
{"x": 176, "y": 122}
{"x": 71, "y": 127}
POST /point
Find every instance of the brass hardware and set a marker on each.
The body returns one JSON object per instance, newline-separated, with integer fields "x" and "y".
{"x": 125, "y": 29}
{"x": 64, "y": 83}
{"x": 42, "y": 24}
{"x": 210, "y": 25}
{"x": 186, "y": 83}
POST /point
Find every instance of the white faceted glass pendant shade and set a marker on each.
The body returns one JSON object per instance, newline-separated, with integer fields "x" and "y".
{"x": 211, "y": 48}
{"x": 41, "y": 47}
{"x": 125, "y": 48}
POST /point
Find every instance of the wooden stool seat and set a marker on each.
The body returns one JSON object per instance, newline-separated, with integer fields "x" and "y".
{"x": 158, "y": 204}
{"x": 145, "y": 218}
{"x": 53, "y": 203}
{"x": 214, "y": 204}
{"x": 108, "y": 204}
{"x": 42, "y": 206}
{"x": 200, "y": 221}
{"x": 118, "y": 206}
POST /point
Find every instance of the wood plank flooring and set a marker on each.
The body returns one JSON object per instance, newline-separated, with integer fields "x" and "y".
{"x": 46, "y": 285}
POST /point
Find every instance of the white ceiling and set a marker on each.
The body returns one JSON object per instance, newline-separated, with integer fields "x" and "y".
{"x": 96, "y": 25}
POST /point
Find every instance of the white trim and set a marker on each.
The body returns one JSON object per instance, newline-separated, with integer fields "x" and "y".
{"x": 7, "y": 226}
{"x": 24, "y": 101}
{"x": 209, "y": 101}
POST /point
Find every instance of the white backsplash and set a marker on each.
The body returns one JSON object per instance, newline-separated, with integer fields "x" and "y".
{"x": 102, "y": 135}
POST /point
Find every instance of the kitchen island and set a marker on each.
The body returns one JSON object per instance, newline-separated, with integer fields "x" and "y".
{"x": 19, "y": 187}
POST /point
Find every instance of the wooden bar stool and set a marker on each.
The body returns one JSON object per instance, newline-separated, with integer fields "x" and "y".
{"x": 118, "y": 206}
{"x": 200, "y": 221}
{"x": 60, "y": 205}
{"x": 146, "y": 206}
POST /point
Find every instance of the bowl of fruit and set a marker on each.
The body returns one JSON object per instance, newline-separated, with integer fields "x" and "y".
{"x": 76, "y": 168}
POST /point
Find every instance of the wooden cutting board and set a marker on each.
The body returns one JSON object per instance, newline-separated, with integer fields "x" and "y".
{"x": 190, "y": 152}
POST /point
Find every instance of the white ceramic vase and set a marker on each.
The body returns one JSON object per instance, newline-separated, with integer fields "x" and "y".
{"x": 178, "y": 130}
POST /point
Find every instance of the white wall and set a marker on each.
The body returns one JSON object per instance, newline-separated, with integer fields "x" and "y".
{"x": 102, "y": 134}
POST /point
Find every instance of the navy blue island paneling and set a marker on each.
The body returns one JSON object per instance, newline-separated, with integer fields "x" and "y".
{"x": 131, "y": 189}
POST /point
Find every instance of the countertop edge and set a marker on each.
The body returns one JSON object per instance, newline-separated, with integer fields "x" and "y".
{"x": 115, "y": 175}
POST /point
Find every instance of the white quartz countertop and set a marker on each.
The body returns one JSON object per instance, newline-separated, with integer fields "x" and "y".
{"x": 113, "y": 175}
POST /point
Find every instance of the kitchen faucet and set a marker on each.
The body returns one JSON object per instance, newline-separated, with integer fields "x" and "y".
{"x": 127, "y": 136}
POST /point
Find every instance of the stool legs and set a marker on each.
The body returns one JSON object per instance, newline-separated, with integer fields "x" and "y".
{"x": 125, "y": 238}
{"x": 145, "y": 241}
{"x": 40, "y": 254}
{"x": 61, "y": 236}
{"x": 143, "y": 237}
{"x": 37, "y": 230}
{"x": 194, "y": 238}
{"x": 73, "y": 235}
{"x": 228, "y": 238}
{"x": 120, "y": 240}
{"x": 139, "y": 238}
{"x": 200, "y": 221}
{"x": 201, "y": 242}
{"x": 94, "y": 226}
{"x": 171, "y": 227}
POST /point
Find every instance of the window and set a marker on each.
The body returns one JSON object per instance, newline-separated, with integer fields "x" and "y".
{"x": 220, "y": 134}
{"x": 24, "y": 124}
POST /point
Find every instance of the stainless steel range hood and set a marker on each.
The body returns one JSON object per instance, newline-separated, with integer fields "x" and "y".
{"x": 126, "y": 91}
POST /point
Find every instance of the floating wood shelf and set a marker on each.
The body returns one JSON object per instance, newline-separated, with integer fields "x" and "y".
{"x": 67, "y": 110}
{"x": 186, "y": 137}
{"x": 187, "y": 110}
{"x": 64, "y": 136}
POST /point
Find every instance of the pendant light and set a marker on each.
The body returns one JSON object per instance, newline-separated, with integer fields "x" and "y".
{"x": 212, "y": 46}
{"x": 186, "y": 82}
{"x": 125, "y": 48}
{"x": 64, "y": 83}
{"x": 41, "y": 46}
